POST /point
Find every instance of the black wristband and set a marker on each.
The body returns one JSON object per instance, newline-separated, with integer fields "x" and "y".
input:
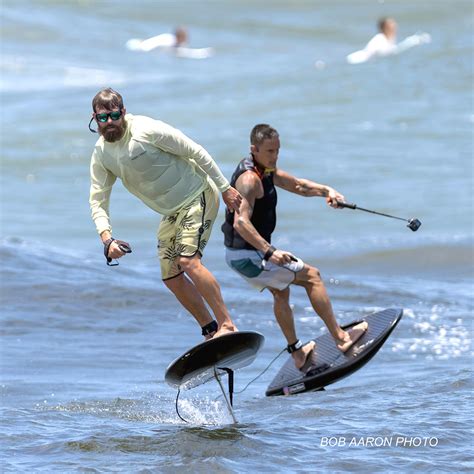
{"x": 106, "y": 248}
{"x": 108, "y": 241}
{"x": 269, "y": 253}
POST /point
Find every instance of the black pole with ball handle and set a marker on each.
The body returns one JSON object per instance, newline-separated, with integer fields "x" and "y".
{"x": 413, "y": 223}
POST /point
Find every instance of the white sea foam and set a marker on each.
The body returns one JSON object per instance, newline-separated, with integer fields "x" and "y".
{"x": 203, "y": 411}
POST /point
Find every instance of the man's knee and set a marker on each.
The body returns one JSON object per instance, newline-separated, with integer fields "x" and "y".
{"x": 314, "y": 273}
{"x": 308, "y": 276}
{"x": 280, "y": 295}
{"x": 188, "y": 264}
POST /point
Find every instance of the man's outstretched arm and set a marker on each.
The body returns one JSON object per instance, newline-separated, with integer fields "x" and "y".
{"x": 306, "y": 187}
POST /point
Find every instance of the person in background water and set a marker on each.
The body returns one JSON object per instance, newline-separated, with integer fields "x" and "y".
{"x": 249, "y": 252}
{"x": 175, "y": 177}
{"x": 181, "y": 36}
{"x": 175, "y": 43}
{"x": 385, "y": 43}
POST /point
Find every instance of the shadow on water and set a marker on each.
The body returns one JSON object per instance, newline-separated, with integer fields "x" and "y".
{"x": 169, "y": 441}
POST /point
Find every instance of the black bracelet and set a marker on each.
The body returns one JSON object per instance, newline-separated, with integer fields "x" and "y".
{"x": 106, "y": 249}
{"x": 108, "y": 241}
{"x": 269, "y": 253}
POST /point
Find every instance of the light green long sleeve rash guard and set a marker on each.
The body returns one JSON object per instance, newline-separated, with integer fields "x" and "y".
{"x": 156, "y": 162}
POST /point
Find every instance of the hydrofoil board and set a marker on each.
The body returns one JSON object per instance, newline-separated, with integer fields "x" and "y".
{"x": 329, "y": 364}
{"x": 199, "y": 364}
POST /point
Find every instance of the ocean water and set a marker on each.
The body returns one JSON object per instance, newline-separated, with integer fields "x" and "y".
{"x": 84, "y": 347}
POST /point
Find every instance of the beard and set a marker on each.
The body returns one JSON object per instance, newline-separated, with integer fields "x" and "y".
{"x": 113, "y": 133}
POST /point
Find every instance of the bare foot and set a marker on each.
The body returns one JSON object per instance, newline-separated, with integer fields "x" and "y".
{"x": 225, "y": 329}
{"x": 353, "y": 335}
{"x": 303, "y": 357}
{"x": 209, "y": 336}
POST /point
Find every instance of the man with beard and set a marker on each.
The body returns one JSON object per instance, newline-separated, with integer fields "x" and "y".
{"x": 175, "y": 177}
{"x": 249, "y": 252}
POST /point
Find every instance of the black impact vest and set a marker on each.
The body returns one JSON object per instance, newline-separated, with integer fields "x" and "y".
{"x": 264, "y": 211}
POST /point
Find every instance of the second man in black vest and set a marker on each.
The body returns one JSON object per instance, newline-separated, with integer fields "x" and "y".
{"x": 248, "y": 243}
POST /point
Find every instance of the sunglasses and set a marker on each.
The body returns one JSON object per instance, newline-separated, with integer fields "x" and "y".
{"x": 104, "y": 117}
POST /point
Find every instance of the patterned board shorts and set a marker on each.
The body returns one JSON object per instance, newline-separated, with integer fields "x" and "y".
{"x": 187, "y": 231}
{"x": 248, "y": 264}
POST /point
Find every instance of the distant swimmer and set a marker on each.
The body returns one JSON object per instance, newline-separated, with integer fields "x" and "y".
{"x": 175, "y": 177}
{"x": 385, "y": 43}
{"x": 175, "y": 43}
{"x": 249, "y": 252}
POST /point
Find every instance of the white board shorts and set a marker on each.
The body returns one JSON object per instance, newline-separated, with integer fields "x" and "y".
{"x": 248, "y": 264}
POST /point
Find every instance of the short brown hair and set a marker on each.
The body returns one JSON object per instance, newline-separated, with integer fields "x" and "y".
{"x": 382, "y": 23}
{"x": 262, "y": 132}
{"x": 107, "y": 98}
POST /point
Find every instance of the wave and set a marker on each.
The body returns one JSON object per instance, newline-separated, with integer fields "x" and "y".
{"x": 451, "y": 255}
{"x": 28, "y": 74}
{"x": 434, "y": 259}
{"x": 30, "y": 259}
{"x": 44, "y": 273}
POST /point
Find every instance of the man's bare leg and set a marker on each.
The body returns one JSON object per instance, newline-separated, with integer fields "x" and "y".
{"x": 284, "y": 317}
{"x": 187, "y": 294}
{"x": 209, "y": 289}
{"x": 310, "y": 279}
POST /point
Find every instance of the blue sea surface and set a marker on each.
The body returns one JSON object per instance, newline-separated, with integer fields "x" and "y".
{"x": 84, "y": 347}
